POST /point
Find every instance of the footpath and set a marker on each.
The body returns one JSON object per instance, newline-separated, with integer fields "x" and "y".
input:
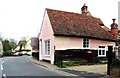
{"x": 93, "y": 71}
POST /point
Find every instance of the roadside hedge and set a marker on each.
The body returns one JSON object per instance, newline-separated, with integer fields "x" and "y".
{"x": 35, "y": 55}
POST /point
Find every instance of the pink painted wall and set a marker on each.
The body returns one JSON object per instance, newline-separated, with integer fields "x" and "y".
{"x": 63, "y": 43}
{"x": 95, "y": 43}
{"x": 47, "y": 34}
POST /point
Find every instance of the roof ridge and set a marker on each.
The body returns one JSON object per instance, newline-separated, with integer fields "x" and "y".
{"x": 71, "y": 12}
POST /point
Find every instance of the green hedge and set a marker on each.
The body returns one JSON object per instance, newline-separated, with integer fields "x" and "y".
{"x": 116, "y": 63}
{"x": 115, "y": 68}
{"x": 35, "y": 55}
{"x": 7, "y": 53}
{"x": 72, "y": 63}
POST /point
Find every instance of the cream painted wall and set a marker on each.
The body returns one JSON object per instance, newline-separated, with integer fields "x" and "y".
{"x": 63, "y": 43}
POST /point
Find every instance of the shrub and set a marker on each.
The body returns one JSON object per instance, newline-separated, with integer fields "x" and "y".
{"x": 96, "y": 60}
{"x": 115, "y": 68}
{"x": 7, "y": 53}
{"x": 73, "y": 63}
{"x": 35, "y": 55}
{"x": 70, "y": 63}
{"x": 116, "y": 62}
{"x": 83, "y": 62}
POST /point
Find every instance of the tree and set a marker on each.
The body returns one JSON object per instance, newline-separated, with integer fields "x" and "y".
{"x": 1, "y": 38}
{"x": 6, "y": 45}
{"x": 13, "y": 43}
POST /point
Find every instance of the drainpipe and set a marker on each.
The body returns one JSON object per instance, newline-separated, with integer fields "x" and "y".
{"x": 40, "y": 49}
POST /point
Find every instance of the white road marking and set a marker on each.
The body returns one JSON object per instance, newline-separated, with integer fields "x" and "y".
{"x": 4, "y": 76}
{"x": 1, "y": 67}
{"x": 4, "y": 61}
{"x": 2, "y": 64}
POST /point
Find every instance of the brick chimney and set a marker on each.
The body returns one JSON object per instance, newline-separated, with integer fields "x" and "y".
{"x": 114, "y": 29}
{"x": 84, "y": 10}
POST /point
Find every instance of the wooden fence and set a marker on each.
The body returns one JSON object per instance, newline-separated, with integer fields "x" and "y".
{"x": 74, "y": 55}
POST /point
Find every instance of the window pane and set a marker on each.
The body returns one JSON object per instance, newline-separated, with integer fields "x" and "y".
{"x": 101, "y": 46}
{"x": 84, "y": 45}
{"x": 85, "y": 42}
{"x": 103, "y": 52}
{"x": 47, "y": 47}
{"x": 99, "y": 52}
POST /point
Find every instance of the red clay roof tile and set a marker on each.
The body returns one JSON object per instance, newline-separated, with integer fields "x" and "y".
{"x": 79, "y": 25}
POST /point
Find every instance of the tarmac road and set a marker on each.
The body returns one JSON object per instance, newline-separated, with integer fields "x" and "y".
{"x": 19, "y": 67}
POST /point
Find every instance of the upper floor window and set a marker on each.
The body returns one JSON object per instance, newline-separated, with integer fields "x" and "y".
{"x": 85, "y": 42}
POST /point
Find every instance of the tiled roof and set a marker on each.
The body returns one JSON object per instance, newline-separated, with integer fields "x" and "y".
{"x": 106, "y": 28}
{"x": 78, "y": 25}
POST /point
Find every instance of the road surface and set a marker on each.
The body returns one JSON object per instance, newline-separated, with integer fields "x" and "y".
{"x": 20, "y": 67}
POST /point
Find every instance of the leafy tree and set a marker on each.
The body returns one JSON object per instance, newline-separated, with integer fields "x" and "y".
{"x": 1, "y": 38}
{"x": 6, "y": 45}
{"x": 13, "y": 43}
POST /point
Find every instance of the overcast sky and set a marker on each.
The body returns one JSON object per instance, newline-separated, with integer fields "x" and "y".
{"x": 20, "y": 18}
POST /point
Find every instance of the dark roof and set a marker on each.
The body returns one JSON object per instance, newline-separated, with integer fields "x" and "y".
{"x": 79, "y": 25}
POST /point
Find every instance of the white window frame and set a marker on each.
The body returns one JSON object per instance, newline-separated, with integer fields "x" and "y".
{"x": 47, "y": 47}
{"x": 86, "y": 42}
{"x": 102, "y": 49}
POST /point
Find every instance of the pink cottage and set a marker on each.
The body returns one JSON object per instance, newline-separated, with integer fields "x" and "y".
{"x": 72, "y": 31}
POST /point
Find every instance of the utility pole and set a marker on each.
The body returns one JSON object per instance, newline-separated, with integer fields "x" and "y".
{"x": 110, "y": 57}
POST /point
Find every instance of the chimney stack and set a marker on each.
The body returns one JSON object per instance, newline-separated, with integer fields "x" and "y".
{"x": 114, "y": 20}
{"x": 84, "y": 9}
{"x": 114, "y": 25}
{"x": 114, "y": 29}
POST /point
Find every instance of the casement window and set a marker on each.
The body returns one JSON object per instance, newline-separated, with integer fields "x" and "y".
{"x": 47, "y": 47}
{"x": 85, "y": 43}
{"x": 101, "y": 51}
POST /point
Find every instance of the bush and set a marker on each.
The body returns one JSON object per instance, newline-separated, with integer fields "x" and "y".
{"x": 70, "y": 63}
{"x": 73, "y": 63}
{"x": 96, "y": 60}
{"x": 7, "y": 53}
{"x": 115, "y": 68}
{"x": 83, "y": 62}
{"x": 116, "y": 63}
{"x": 99, "y": 60}
{"x": 35, "y": 55}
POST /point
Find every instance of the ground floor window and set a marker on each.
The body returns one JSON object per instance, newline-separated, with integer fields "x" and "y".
{"x": 47, "y": 47}
{"x": 101, "y": 51}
